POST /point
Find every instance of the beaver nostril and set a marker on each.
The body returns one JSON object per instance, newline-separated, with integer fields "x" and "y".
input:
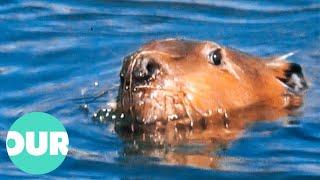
{"x": 145, "y": 69}
{"x": 151, "y": 68}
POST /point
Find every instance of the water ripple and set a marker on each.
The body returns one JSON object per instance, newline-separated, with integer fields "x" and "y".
{"x": 51, "y": 51}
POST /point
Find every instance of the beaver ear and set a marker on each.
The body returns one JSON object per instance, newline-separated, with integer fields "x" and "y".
{"x": 289, "y": 74}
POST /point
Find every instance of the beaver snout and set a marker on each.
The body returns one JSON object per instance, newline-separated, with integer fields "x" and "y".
{"x": 145, "y": 70}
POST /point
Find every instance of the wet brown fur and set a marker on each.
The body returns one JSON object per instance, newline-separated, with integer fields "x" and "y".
{"x": 215, "y": 102}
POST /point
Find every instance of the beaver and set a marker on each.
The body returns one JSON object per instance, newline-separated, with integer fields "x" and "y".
{"x": 172, "y": 83}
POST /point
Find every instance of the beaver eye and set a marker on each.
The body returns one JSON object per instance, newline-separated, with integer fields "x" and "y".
{"x": 215, "y": 57}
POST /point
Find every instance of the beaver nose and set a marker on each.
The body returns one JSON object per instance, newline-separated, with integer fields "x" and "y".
{"x": 145, "y": 69}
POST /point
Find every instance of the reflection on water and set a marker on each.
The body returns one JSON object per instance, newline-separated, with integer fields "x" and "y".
{"x": 52, "y": 53}
{"x": 196, "y": 145}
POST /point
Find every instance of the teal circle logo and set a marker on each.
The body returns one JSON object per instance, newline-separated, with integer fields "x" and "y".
{"x": 37, "y": 143}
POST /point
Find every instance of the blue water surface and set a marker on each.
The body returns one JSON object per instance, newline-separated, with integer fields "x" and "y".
{"x": 54, "y": 51}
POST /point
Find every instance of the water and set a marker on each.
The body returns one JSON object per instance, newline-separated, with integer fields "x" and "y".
{"x": 52, "y": 51}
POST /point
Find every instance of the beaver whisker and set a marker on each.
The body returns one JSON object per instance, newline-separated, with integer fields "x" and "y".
{"x": 157, "y": 88}
{"x": 187, "y": 112}
{"x": 185, "y": 101}
{"x": 172, "y": 93}
{"x": 131, "y": 66}
{"x": 94, "y": 98}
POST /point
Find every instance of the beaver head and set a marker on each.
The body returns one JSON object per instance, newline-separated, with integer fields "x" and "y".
{"x": 174, "y": 79}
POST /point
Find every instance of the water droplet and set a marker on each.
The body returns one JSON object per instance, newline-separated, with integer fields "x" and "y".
{"x": 84, "y": 107}
{"x": 226, "y": 121}
{"x": 227, "y": 125}
{"x": 189, "y": 97}
{"x": 209, "y": 113}
{"x": 122, "y": 116}
{"x": 113, "y": 116}
{"x": 286, "y": 100}
{"x": 226, "y": 114}
{"x": 173, "y": 116}
{"x": 83, "y": 91}
{"x": 153, "y": 95}
{"x": 220, "y": 110}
